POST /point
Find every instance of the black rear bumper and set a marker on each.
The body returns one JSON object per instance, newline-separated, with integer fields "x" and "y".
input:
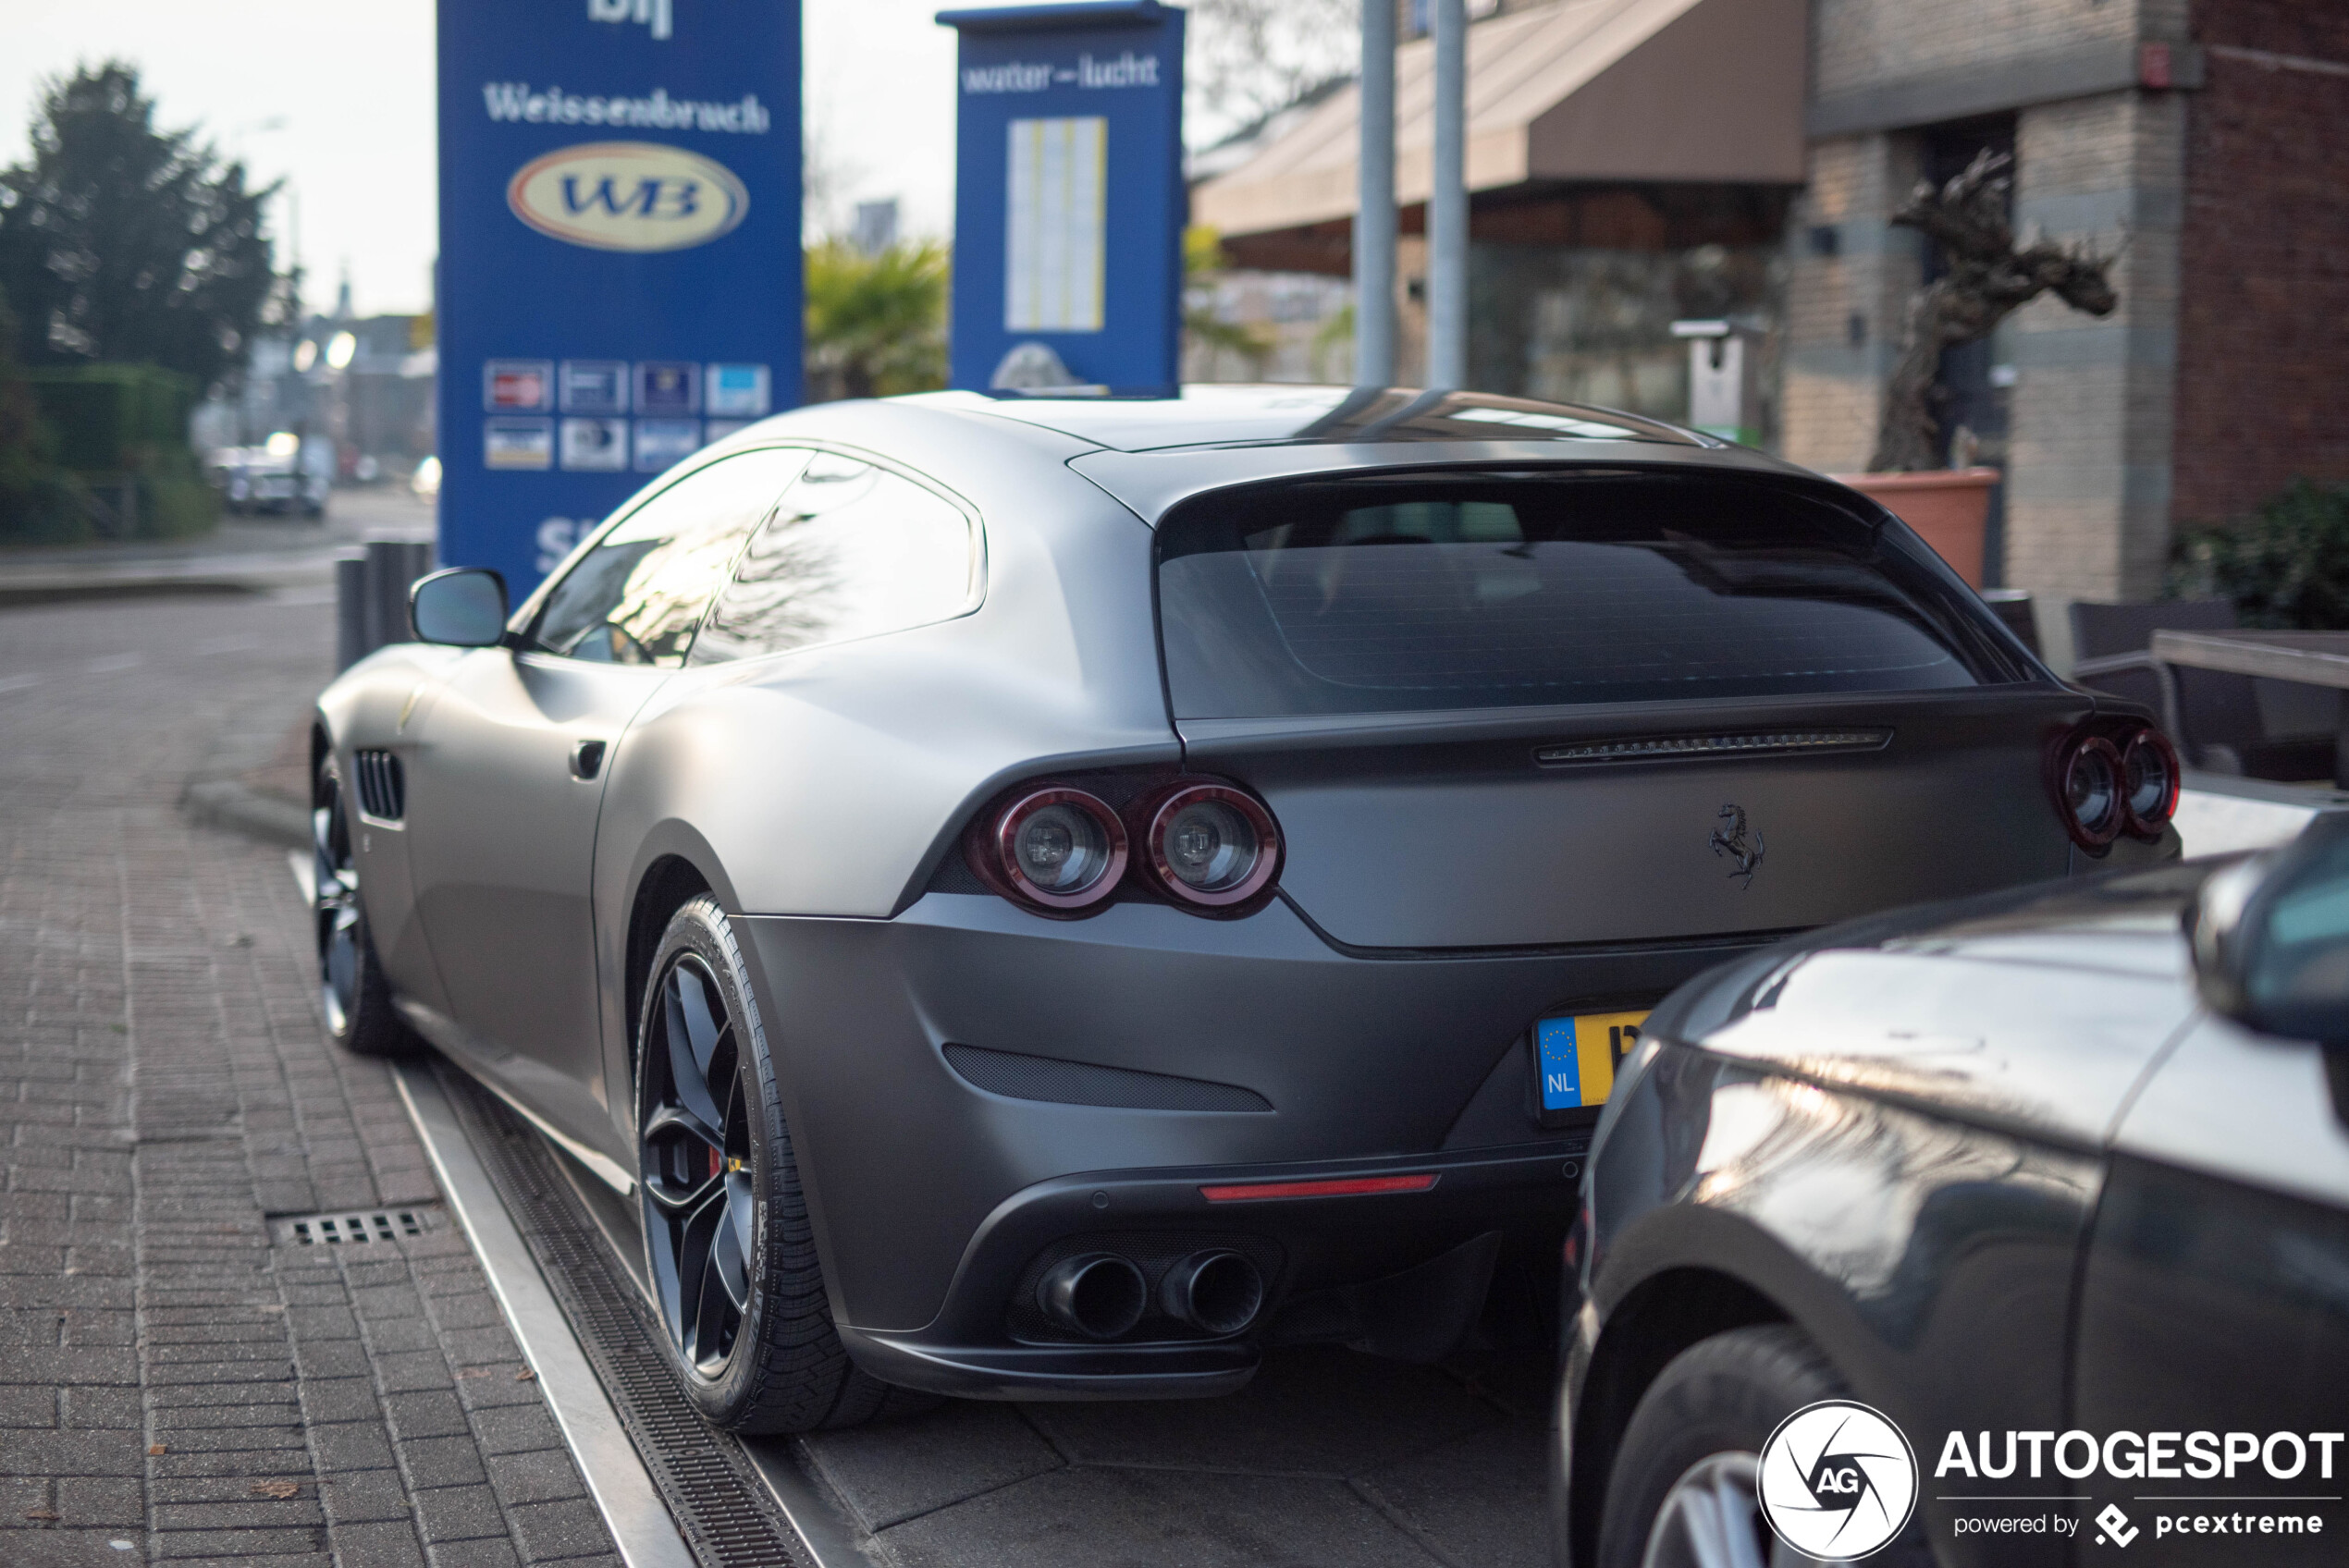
{"x": 914, "y": 1164}
{"x": 1399, "y": 1271}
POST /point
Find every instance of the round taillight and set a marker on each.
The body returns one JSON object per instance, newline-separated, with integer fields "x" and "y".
{"x": 2149, "y": 779}
{"x": 2091, "y": 795}
{"x": 1212, "y": 845}
{"x": 1061, "y": 848}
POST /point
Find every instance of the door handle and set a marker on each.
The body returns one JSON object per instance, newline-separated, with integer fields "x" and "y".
{"x": 586, "y": 759}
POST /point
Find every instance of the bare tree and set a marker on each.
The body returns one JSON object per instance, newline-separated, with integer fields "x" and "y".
{"x": 1989, "y": 278}
{"x": 1248, "y": 58}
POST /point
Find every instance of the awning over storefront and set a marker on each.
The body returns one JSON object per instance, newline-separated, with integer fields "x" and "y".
{"x": 1609, "y": 91}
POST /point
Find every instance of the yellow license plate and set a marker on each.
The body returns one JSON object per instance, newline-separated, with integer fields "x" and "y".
{"x": 1577, "y": 1054}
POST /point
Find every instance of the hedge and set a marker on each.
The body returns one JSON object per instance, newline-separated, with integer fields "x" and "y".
{"x": 118, "y": 423}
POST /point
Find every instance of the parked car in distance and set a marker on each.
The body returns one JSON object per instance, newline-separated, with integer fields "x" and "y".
{"x": 283, "y": 474}
{"x": 1043, "y": 897}
{"x": 2057, "y": 1180}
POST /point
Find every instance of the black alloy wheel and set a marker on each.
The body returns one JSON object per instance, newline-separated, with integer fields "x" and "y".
{"x": 336, "y": 906}
{"x": 352, "y": 993}
{"x": 701, "y": 1210}
{"x": 735, "y": 1276}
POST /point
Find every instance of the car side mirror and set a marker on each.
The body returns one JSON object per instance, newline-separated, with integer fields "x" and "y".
{"x": 462, "y": 607}
{"x": 2270, "y": 941}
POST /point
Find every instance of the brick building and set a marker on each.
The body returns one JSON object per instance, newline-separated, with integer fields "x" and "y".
{"x": 2203, "y": 143}
{"x": 2263, "y": 316}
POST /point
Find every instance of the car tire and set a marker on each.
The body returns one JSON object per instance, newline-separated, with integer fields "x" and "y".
{"x": 1694, "y": 1444}
{"x": 352, "y": 992}
{"x": 737, "y": 1284}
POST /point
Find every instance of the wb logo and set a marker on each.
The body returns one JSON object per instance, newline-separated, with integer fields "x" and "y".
{"x": 653, "y": 198}
{"x": 653, "y": 14}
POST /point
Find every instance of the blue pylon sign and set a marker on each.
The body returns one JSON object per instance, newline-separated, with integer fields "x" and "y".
{"x": 1068, "y": 200}
{"x": 619, "y": 254}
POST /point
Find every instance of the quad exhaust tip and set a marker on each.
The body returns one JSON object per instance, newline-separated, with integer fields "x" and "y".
{"x": 1098, "y": 1294}
{"x": 1215, "y": 1291}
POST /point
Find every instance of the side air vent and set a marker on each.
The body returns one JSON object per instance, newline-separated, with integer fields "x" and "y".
{"x": 1084, "y": 1082}
{"x": 383, "y": 786}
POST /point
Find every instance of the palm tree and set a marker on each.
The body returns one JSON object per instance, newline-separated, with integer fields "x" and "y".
{"x": 876, "y": 324}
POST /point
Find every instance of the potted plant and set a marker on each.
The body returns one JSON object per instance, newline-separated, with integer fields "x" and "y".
{"x": 1987, "y": 276}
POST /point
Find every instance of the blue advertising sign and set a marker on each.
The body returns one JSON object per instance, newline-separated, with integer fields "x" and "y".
{"x": 619, "y": 254}
{"x": 1068, "y": 196}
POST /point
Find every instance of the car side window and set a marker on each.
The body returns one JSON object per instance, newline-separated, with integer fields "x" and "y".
{"x": 637, "y": 595}
{"x": 853, "y": 551}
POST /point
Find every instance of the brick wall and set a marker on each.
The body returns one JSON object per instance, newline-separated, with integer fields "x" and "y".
{"x": 2088, "y": 479}
{"x": 2263, "y": 325}
{"x": 1849, "y": 279}
{"x": 1866, "y": 43}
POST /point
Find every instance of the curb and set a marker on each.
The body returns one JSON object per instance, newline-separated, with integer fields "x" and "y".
{"x": 635, "y": 1511}
{"x": 18, "y": 596}
{"x": 232, "y": 803}
{"x": 21, "y": 588}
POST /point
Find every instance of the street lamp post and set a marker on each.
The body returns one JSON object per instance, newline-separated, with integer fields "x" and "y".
{"x": 1447, "y": 204}
{"x": 1374, "y": 205}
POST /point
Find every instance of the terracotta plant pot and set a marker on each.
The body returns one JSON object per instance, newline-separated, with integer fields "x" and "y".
{"x": 1949, "y": 509}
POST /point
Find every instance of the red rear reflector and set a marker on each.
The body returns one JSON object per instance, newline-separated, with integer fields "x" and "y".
{"x": 1347, "y": 1187}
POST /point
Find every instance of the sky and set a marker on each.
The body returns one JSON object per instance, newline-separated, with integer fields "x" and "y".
{"x": 336, "y": 97}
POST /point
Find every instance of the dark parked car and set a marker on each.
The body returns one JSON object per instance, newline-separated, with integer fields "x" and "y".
{"x": 1041, "y": 896}
{"x": 2056, "y": 1181}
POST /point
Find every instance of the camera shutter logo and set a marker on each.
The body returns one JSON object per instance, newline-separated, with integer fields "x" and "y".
{"x": 1837, "y": 1480}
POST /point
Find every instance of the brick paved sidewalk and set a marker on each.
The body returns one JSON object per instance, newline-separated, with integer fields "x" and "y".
{"x": 179, "y": 1381}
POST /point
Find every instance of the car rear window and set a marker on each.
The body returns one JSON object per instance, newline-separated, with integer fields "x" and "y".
{"x": 1374, "y": 595}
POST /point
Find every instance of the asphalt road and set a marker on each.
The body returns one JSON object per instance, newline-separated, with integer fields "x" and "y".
{"x": 105, "y": 707}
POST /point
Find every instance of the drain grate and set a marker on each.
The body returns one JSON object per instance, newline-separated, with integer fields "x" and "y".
{"x": 350, "y": 1230}
{"x": 712, "y": 1490}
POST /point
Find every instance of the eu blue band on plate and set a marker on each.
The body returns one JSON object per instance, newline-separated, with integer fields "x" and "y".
{"x": 1561, "y": 1067}
{"x": 1577, "y": 1055}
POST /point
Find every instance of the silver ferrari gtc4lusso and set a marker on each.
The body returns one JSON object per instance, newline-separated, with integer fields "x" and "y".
{"x": 1043, "y": 897}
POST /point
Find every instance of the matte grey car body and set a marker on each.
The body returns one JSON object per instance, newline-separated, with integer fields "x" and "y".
{"x": 973, "y": 1088}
